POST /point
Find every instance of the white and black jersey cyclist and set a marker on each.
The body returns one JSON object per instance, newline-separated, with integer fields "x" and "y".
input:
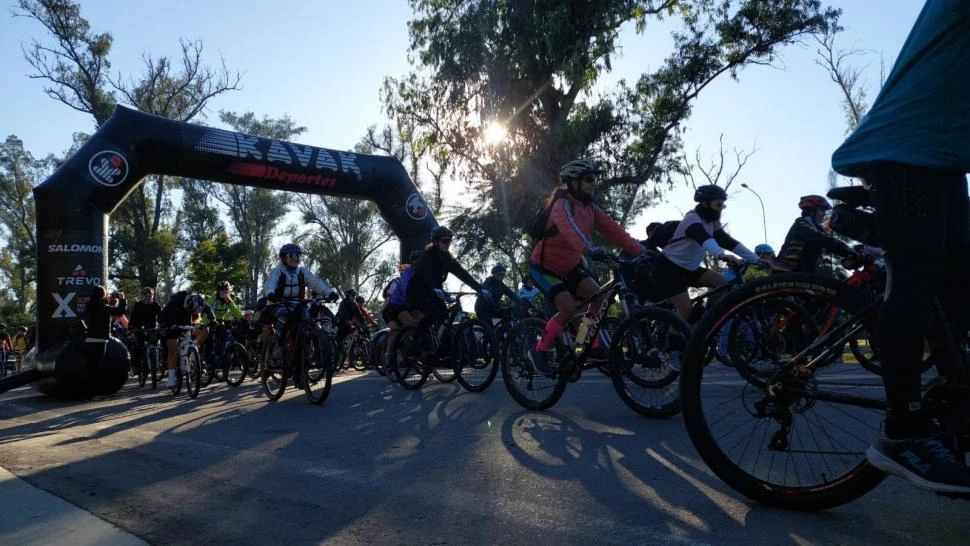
{"x": 699, "y": 233}
{"x": 287, "y": 285}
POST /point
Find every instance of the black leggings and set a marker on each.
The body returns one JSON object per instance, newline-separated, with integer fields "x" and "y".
{"x": 433, "y": 308}
{"x": 923, "y": 225}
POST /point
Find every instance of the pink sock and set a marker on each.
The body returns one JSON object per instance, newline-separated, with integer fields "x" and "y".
{"x": 596, "y": 340}
{"x": 552, "y": 330}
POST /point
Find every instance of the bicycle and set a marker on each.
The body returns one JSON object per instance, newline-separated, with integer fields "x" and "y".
{"x": 642, "y": 363}
{"x": 306, "y": 353}
{"x": 357, "y": 349}
{"x": 469, "y": 342}
{"x": 795, "y": 403}
{"x": 189, "y": 365}
{"x": 228, "y": 355}
{"x": 151, "y": 362}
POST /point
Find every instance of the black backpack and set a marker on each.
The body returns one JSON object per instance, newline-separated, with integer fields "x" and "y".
{"x": 664, "y": 234}
{"x": 537, "y": 229}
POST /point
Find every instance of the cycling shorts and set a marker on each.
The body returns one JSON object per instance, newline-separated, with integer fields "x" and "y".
{"x": 551, "y": 285}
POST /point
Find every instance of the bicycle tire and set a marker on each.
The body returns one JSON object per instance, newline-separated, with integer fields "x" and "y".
{"x": 142, "y": 374}
{"x": 412, "y": 374}
{"x": 153, "y": 363}
{"x": 518, "y": 374}
{"x": 474, "y": 352}
{"x": 857, "y": 479}
{"x": 208, "y": 371}
{"x": 235, "y": 362}
{"x": 273, "y": 376}
{"x": 377, "y": 355}
{"x": 644, "y": 361}
{"x": 193, "y": 373}
{"x": 317, "y": 370}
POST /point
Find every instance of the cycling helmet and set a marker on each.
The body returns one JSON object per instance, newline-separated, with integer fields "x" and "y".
{"x": 577, "y": 169}
{"x": 415, "y": 255}
{"x": 808, "y": 202}
{"x": 350, "y": 292}
{"x": 195, "y": 304}
{"x": 709, "y": 192}
{"x": 441, "y": 232}
{"x": 763, "y": 249}
{"x": 360, "y": 300}
{"x": 223, "y": 285}
{"x": 289, "y": 248}
{"x": 499, "y": 269}
{"x": 248, "y": 312}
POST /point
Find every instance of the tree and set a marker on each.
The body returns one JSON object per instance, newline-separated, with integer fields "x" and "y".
{"x": 530, "y": 66}
{"x": 214, "y": 260}
{"x": 256, "y": 213}
{"x": 19, "y": 173}
{"x": 77, "y": 67}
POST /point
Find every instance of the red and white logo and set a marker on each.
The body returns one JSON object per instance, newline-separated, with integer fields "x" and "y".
{"x": 415, "y": 207}
{"x": 108, "y": 168}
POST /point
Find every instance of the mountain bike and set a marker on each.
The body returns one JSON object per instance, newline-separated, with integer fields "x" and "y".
{"x": 189, "y": 364}
{"x": 458, "y": 347}
{"x": 789, "y": 424}
{"x": 306, "y": 354}
{"x": 642, "y": 353}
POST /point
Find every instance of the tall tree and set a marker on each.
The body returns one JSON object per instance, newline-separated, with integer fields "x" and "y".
{"x": 19, "y": 173}
{"x": 216, "y": 259}
{"x": 76, "y": 66}
{"x": 531, "y": 65}
{"x": 256, "y": 213}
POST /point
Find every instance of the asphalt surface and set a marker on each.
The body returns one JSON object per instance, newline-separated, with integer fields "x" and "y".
{"x": 380, "y": 465}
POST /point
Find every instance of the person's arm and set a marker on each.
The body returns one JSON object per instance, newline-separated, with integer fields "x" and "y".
{"x": 615, "y": 233}
{"x": 457, "y": 270}
{"x": 726, "y": 241}
{"x": 697, "y": 233}
{"x": 318, "y": 284}
{"x": 234, "y": 310}
{"x": 806, "y": 231}
{"x": 271, "y": 282}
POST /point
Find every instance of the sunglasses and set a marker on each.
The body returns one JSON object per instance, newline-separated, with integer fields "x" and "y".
{"x": 446, "y": 241}
{"x": 590, "y": 179}
{"x": 293, "y": 255}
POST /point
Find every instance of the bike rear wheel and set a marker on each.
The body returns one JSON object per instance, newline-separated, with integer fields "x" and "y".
{"x": 474, "y": 353}
{"x": 529, "y": 388}
{"x": 412, "y": 371}
{"x": 645, "y": 360}
{"x": 784, "y": 435}
{"x": 273, "y": 376}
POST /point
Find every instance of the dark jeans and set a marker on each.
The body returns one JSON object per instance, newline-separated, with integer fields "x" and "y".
{"x": 923, "y": 225}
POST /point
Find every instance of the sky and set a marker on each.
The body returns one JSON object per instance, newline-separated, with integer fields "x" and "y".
{"x": 323, "y": 63}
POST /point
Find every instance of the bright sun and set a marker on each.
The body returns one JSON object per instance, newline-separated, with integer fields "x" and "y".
{"x": 495, "y": 133}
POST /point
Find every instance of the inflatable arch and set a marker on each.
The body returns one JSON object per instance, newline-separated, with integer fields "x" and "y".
{"x": 74, "y": 204}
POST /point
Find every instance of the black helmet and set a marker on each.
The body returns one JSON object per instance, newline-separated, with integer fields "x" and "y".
{"x": 414, "y": 256}
{"x": 577, "y": 169}
{"x": 360, "y": 299}
{"x": 289, "y": 248}
{"x": 441, "y": 232}
{"x": 498, "y": 269}
{"x": 350, "y": 292}
{"x": 813, "y": 202}
{"x": 709, "y": 192}
{"x": 194, "y": 303}
{"x": 223, "y": 285}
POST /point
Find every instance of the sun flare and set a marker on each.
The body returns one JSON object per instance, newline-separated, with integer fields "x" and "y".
{"x": 495, "y": 133}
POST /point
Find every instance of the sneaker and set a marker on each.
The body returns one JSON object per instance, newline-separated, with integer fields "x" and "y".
{"x": 540, "y": 361}
{"x": 925, "y": 462}
{"x": 277, "y": 352}
{"x": 171, "y": 381}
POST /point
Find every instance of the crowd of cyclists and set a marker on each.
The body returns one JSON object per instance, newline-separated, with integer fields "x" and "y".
{"x": 921, "y": 203}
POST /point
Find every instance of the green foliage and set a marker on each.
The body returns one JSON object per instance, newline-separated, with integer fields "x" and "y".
{"x": 19, "y": 173}
{"x": 214, "y": 260}
{"x": 531, "y": 66}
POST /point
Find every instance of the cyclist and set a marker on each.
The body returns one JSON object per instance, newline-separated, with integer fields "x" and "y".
{"x": 493, "y": 289}
{"x": 425, "y": 290}
{"x": 349, "y": 313}
{"x": 556, "y": 261}
{"x": 807, "y": 239}
{"x": 144, "y": 316}
{"x": 182, "y": 309}
{"x": 222, "y": 304}
{"x": 286, "y": 286}
{"x": 397, "y": 313}
{"x": 911, "y": 150}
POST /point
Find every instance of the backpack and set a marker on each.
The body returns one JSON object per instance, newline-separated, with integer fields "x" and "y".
{"x": 537, "y": 228}
{"x": 664, "y": 234}
{"x": 389, "y": 288}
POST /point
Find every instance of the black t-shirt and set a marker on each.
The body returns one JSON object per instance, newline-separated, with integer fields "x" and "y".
{"x": 144, "y": 315}
{"x": 174, "y": 313}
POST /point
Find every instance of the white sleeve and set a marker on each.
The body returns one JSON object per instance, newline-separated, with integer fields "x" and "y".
{"x": 743, "y": 251}
{"x": 316, "y": 283}
{"x": 272, "y": 281}
{"x": 711, "y": 246}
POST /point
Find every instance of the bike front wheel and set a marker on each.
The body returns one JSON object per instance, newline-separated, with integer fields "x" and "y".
{"x": 412, "y": 358}
{"x": 273, "y": 376}
{"x": 474, "y": 353}
{"x": 193, "y": 372}
{"x": 528, "y": 387}
{"x": 317, "y": 368}
{"x": 235, "y": 362}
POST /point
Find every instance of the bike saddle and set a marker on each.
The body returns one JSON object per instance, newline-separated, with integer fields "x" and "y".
{"x": 854, "y": 196}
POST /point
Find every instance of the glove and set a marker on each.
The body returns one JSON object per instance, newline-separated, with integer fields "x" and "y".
{"x": 333, "y": 296}
{"x": 598, "y": 253}
{"x": 272, "y": 297}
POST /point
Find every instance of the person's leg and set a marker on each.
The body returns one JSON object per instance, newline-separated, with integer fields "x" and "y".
{"x": 912, "y": 224}
{"x": 681, "y": 303}
{"x": 712, "y": 279}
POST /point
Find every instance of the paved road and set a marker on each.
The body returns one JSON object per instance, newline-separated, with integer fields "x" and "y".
{"x": 379, "y": 465}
